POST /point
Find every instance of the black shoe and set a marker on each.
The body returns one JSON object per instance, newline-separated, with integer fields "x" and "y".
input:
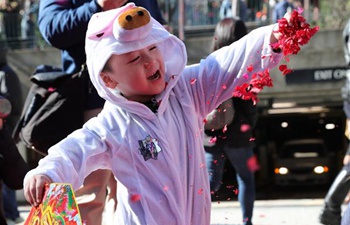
{"x": 328, "y": 217}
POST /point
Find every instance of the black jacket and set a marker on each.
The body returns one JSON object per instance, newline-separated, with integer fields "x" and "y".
{"x": 13, "y": 168}
{"x": 10, "y": 88}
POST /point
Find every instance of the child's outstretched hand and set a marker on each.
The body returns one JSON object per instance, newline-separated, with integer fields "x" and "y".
{"x": 34, "y": 189}
{"x": 291, "y": 32}
{"x": 276, "y": 35}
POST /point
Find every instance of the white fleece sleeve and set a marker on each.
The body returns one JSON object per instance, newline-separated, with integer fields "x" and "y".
{"x": 75, "y": 157}
{"x": 221, "y": 72}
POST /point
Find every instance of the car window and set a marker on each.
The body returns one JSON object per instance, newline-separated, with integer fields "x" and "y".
{"x": 303, "y": 151}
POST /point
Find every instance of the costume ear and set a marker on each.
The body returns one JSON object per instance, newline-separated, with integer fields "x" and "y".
{"x": 107, "y": 80}
{"x": 101, "y": 24}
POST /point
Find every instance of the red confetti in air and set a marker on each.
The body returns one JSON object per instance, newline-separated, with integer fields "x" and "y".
{"x": 213, "y": 140}
{"x": 236, "y": 191}
{"x": 284, "y": 69}
{"x": 252, "y": 164}
{"x": 51, "y": 89}
{"x": 293, "y": 34}
{"x": 200, "y": 191}
{"x": 165, "y": 188}
{"x": 135, "y": 198}
{"x": 245, "y": 128}
{"x": 250, "y": 68}
{"x": 193, "y": 80}
{"x": 224, "y": 86}
{"x": 224, "y": 129}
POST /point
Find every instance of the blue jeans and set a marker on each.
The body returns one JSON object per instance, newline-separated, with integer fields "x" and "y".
{"x": 9, "y": 203}
{"x": 215, "y": 159}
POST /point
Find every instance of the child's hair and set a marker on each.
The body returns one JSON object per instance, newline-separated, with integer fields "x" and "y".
{"x": 227, "y": 31}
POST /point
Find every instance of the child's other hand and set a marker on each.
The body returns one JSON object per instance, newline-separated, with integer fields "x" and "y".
{"x": 34, "y": 189}
{"x": 275, "y": 36}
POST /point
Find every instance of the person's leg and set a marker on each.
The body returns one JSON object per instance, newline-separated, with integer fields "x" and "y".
{"x": 215, "y": 161}
{"x": 10, "y": 203}
{"x": 346, "y": 216}
{"x": 331, "y": 212}
{"x": 245, "y": 178}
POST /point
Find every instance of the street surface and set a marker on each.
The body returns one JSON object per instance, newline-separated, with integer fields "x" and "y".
{"x": 274, "y": 206}
{"x": 266, "y": 212}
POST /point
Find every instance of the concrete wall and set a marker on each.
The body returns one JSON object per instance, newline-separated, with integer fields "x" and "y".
{"x": 324, "y": 50}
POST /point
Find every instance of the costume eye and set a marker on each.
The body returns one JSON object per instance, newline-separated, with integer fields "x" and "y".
{"x": 134, "y": 60}
{"x": 152, "y": 48}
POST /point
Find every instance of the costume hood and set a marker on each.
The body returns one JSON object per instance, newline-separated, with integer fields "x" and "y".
{"x": 127, "y": 29}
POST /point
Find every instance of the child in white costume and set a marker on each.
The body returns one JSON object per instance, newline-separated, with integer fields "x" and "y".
{"x": 150, "y": 131}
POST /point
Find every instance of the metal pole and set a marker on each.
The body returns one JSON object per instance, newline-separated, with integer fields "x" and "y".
{"x": 181, "y": 19}
{"x": 235, "y": 8}
{"x": 307, "y": 9}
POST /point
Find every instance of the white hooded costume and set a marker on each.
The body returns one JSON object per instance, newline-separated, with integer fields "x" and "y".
{"x": 157, "y": 158}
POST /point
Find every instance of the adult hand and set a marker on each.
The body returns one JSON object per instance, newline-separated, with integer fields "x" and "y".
{"x": 34, "y": 189}
{"x": 110, "y": 4}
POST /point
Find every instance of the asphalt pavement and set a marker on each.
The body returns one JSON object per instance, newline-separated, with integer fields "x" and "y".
{"x": 266, "y": 212}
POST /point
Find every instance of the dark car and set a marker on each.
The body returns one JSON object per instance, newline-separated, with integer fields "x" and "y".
{"x": 302, "y": 162}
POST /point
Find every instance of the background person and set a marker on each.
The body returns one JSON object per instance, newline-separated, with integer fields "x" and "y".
{"x": 281, "y": 8}
{"x": 234, "y": 145}
{"x": 10, "y": 88}
{"x": 12, "y": 167}
{"x": 331, "y": 211}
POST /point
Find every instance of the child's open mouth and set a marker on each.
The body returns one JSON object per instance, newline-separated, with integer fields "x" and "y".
{"x": 155, "y": 76}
